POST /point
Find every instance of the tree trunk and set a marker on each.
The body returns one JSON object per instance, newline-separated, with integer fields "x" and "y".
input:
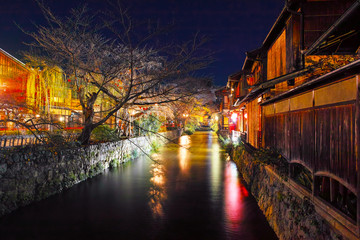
{"x": 84, "y": 137}
{"x": 88, "y": 112}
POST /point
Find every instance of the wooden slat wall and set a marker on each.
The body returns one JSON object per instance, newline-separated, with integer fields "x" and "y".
{"x": 336, "y": 131}
{"x": 323, "y": 139}
{"x": 276, "y": 57}
{"x": 253, "y": 123}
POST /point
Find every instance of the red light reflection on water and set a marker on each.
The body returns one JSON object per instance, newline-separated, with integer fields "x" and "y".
{"x": 234, "y": 194}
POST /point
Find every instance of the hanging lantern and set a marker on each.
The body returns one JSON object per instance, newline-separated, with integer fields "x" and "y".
{"x": 234, "y": 117}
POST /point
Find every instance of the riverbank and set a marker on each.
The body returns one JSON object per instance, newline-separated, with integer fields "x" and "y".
{"x": 288, "y": 208}
{"x": 32, "y": 173}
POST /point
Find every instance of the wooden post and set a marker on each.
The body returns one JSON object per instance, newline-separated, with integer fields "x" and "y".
{"x": 357, "y": 143}
{"x": 333, "y": 190}
{"x": 262, "y": 123}
{"x": 315, "y": 190}
{"x": 274, "y": 127}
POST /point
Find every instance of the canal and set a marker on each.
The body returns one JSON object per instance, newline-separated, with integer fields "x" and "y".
{"x": 187, "y": 192}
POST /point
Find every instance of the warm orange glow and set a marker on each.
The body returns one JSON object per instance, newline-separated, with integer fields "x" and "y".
{"x": 157, "y": 192}
{"x": 245, "y": 116}
{"x": 184, "y": 155}
{"x": 158, "y": 175}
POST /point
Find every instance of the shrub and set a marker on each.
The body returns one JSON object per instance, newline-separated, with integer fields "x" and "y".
{"x": 214, "y": 127}
{"x": 56, "y": 139}
{"x": 271, "y": 156}
{"x": 149, "y": 124}
{"x": 191, "y": 126}
{"x": 226, "y": 144}
{"x": 155, "y": 146}
{"x": 104, "y": 133}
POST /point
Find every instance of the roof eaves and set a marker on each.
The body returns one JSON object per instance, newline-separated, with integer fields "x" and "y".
{"x": 252, "y": 56}
{"x": 314, "y": 81}
{"x": 332, "y": 28}
{"x": 251, "y": 95}
{"x": 236, "y": 74}
{"x": 277, "y": 22}
{"x": 272, "y": 82}
{"x": 259, "y": 89}
{"x": 245, "y": 61}
{"x": 12, "y": 57}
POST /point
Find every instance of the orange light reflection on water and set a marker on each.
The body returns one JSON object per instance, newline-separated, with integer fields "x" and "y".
{"x": 184, "y": 154}
{"x": 157, "y": 191}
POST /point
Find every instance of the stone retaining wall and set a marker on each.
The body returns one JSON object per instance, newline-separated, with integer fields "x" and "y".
{"x": 291, "y": 214}
{"x": 33, "y": 173}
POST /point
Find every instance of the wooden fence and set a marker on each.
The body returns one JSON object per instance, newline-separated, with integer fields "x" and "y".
{"x": 322, "y": 139}
{"x": 21, "y": 140}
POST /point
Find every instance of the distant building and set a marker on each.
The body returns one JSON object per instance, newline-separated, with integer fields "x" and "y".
{"x": 28, "y": 93}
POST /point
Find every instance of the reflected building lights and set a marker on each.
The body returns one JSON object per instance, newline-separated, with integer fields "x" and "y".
{"x": 233, "y": 197}
{"x": 184, "y": 155}
{"x": 157, "y": 193}
{"x": 215, "y": 175}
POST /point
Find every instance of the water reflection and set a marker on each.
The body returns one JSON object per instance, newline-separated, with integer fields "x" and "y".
{"x": 235, "y": 193}
{"x": 157, "y": 191}
{"x": 215, "y": 171}
{"x": 184, "y": 153}
{"x": 182, "y": 194}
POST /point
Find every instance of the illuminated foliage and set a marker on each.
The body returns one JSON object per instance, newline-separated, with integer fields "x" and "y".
{"x": 113, "y": 73}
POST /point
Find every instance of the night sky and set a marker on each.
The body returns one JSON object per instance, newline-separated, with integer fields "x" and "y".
{"x": 233, "y": 26}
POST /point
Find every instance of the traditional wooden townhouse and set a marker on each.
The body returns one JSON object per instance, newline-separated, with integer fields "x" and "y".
{"x": 13, "y": 80}
{"x": 222, "y": 99}
{"x": 238, "y": 89}
{"x": 30, "y": 92}
{"x": 304, "y": 102}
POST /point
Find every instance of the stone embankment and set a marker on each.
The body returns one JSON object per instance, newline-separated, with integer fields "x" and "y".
{"x": 291, "y": 214}
{"x": 32, "y": 173}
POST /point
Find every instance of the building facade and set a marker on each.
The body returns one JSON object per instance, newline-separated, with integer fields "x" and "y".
{"x": 31, "y": 93}
{"x": 299, "y": 92}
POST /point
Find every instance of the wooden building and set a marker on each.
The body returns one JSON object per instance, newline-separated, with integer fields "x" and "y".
{"x": 13, "y": 86}
{"x": 300, "y": 91}
{"x": 223, "y": 100}
{"x": 28, "y": 92}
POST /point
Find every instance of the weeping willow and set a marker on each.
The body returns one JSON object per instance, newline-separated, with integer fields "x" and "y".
{"x": 49, "y": 93}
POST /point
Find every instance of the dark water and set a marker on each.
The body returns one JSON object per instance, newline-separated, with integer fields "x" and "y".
{"x": 189, "y": 192}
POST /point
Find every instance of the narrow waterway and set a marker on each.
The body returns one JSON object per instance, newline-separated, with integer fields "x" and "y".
{"x": 187, "y": 192}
